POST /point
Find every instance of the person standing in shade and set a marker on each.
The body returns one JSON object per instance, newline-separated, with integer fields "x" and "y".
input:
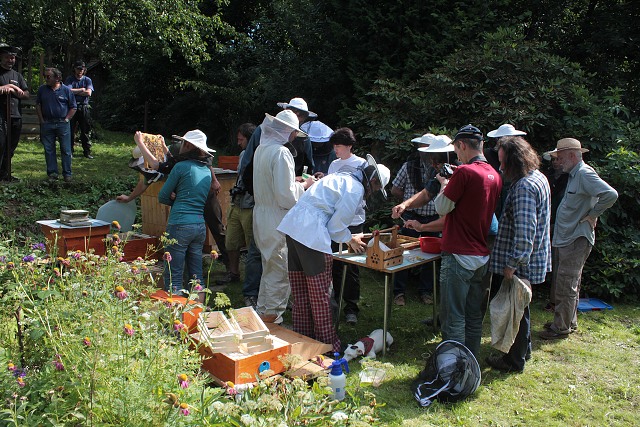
{"x": 82, "y": 88}
{"x": 468, "y": 199}
{"x": 13, "y": 89}
{"x": 240, "y": 228}
{"x": 522, "y": 246}
{"x": 343, "y": 141}
{"x": 586, "y": 198}
{"x": 55, "y": 106}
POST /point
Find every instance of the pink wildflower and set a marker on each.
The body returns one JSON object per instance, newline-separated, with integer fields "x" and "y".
{"x": 10, "y": 265}
{"x": 20, "y": 382}
{"x": 198, "y": 287}
{"x": 120, "y": 292}
{"x": 86, "y": 341}
{"x": 178, "y": 325}
{"x": 167, "y": 257}
{"x": 183, "y": 380}
{"x": 115, "y": 224}
{"x": 184, "y": 408}
{"x": 231, "y": 388}
{"x": 128, "y": 329}
{"x": 11, "y": 367}
{"x": 57, "y": 362}
{"x": 214, "y": 254}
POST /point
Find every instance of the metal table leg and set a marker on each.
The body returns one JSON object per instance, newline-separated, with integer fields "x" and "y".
{"x": 435, "y": 296}
{"x": 344, "y": 279}
{"x": 387, "y": 278}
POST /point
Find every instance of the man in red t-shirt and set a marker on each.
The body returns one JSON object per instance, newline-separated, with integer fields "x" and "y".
{"x": 468, "y": 200}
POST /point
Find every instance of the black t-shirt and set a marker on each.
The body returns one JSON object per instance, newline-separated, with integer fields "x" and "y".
{"x": 12, "y": 77}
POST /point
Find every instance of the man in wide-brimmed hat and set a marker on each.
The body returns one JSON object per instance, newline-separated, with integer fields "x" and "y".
{"x": 586, "y": 198}
{"x": 13, "y": 89}
{"x": 275, "y": 192}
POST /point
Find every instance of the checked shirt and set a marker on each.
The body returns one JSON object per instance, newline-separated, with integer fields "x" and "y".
{"x": 523, "y": 240}
{"x": 402, "y": 181}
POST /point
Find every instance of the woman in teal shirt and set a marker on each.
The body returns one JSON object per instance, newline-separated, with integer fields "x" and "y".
{"x": 186, "y": 191}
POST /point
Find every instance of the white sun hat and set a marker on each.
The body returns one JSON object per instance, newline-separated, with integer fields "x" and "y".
{"x": 442, "y": 144}
{"x": 505, "y": 130}
{"x": 298, "y": 104}
{"x": 426, "y": 139}
{"x": 383, "y": 173}
{"x": 317, "y": 131}
{"x": 198, "y": 139}
{"x": 285, "y": 118}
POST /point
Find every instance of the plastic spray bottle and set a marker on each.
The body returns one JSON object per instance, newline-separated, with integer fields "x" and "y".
{"x": 337, "y": 379}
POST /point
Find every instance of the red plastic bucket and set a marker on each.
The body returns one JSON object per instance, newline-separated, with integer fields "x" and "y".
{"x": 430, "y": 245}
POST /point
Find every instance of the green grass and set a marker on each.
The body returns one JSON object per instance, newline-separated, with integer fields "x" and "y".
{"x": 590, "y": 379}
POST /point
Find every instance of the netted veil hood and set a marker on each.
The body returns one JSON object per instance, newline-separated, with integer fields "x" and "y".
{"x": 276, "y": 130}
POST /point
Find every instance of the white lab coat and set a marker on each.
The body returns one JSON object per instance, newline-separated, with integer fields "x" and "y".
{"x": 275, "y": 192}
{"x": 324, "y": 212}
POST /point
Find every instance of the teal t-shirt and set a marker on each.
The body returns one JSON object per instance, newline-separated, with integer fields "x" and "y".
{"x": 190, "y": 180}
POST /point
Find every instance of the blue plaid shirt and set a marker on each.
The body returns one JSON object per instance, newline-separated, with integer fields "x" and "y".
{"x": 523, "y": 240}
{"x": 402, "y": 181}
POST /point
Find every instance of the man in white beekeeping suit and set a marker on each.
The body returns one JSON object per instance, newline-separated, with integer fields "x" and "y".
{"x": 275, "y": 192}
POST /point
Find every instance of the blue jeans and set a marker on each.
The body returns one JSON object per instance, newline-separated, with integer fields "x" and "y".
{"x": 425, "y": 281}
{"x": 252, "y": 271}
{"x": 48, "y": 133}
{"x": 461, "y": 297}
{"x": 188, "y": 250}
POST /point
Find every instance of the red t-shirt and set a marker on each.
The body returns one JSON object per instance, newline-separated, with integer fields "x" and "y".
{"x": 475, "y": 189}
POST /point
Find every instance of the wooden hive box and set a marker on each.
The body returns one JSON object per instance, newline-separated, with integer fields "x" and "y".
{"x": 141, "y": 245}
{"x": 247, "y": 321}
{"x": 379, "y": 258}
{"x": 190, "y": 317}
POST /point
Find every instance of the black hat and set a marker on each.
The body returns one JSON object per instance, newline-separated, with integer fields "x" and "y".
{"x": 468, "y": 131}
{"x": 79, "y": 64}
{"x": 5, "y": 48}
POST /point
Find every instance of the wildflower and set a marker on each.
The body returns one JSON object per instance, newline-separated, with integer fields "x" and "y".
{"x": 198, "y": 287}
{"x": 184, "y": 408}
{"x": 38, "y": 246}
{"x": 10, "y": 265}
{"x": 135, "y": 270}
{"x": 231, "y": 389}
{"x": 20, "y": 382}
{"x": 115, "y": 224}
{"x": 128, "y": 329}
{"x": 214, "y": 254}
{"x": 183, "y": 380}
{"x": 3, "y": 258}
{"x": 85, "y": 293}
{"x": 116, "y": 238}
{"x": 320, "y": 361}
{"x": 77, "y": 254}
{"x": 139, "y": 259}
{"x": 167, "y": 257}
{"x": 247, "y": 420}
{"x": 28, "y": 258}
{"x": 64, "y": 261}
{"x": 57, "y": 362}
{"x": 11, "y": 367}
{"x": 120, "y": 292}
{"x": 57, "y": 272}
{"x": 86, "y": 341}
{"x": 178, "y": 325}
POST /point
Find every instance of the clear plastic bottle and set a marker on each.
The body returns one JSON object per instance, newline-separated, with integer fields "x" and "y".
{"x": 337, "y": 379}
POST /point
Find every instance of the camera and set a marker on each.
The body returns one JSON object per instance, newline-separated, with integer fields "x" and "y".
{"x": 237, "y": 191}
{"x": 446, "y": 171}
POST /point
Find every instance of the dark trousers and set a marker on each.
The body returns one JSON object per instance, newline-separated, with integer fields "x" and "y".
{"x": 82, "y": 119}
{"x": 7, "y": 148}
{"x": 351, "y": 294}
{"x": 213, "y": 219}
{"x": 521, "y": 347}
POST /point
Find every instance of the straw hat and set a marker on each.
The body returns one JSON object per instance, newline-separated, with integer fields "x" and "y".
{"x": 567, "y": 144}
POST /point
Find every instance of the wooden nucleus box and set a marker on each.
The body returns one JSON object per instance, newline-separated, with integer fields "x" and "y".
{"x": 239, "y": 346}
{"x": 385, "y": 248}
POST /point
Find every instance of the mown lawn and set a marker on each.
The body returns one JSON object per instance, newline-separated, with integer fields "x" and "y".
{"x": 590, "y": 379}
